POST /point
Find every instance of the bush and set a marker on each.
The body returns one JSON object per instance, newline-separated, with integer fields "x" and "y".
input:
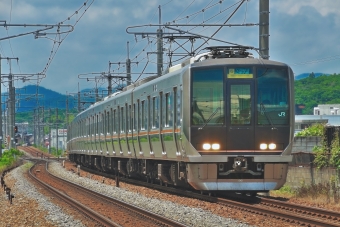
{"x": 9, "y": 157}
{"x": 320, "y": 157}
{"x": 313, "y": 130}
{"x": 335, "y": 151}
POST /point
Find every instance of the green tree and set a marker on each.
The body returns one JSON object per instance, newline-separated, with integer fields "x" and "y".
{"x": 319, "y": 90}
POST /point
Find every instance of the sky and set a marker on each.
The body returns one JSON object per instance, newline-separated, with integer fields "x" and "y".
{"x": 304, "y": 34}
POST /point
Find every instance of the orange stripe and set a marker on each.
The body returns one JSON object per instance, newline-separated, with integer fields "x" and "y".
{"x": 143, "y": 133}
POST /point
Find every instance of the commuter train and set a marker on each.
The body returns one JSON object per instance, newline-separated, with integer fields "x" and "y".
{"x": 220, "y": 121}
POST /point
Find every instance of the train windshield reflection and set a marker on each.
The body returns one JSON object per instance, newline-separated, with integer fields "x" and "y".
{"x": 272, "y": 96}
{"x": 207, "y": 97}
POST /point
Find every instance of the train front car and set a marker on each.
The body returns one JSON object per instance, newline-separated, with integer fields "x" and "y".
{"x": 239, "y": 124}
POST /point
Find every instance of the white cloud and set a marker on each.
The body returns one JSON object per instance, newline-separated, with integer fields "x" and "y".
{"x": 293, "y": 7}
{"x": 17, "y": 11}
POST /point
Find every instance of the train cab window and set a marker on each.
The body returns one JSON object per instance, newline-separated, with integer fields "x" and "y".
{"x": 207, "y": 99}
{"x": 272, "y": 96}
{"x": 240, "y": 104}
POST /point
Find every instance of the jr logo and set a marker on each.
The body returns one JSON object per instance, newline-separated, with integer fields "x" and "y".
{"x": 282, "y": 114}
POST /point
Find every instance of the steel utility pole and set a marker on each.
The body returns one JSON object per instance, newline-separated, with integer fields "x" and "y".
{"x": 49, "y": 128}
{"x": 78, "y": 99}
{"x": 66, "y": 110}
{"x": 159, "y": 45}
{"x": 34, "y": 128}
{"x": 1, "y": 135}
{"x": 128, "y": 67}
{"x": 11, "y": 104}
{"x": 57, "y": 127}
{"x": 128, "y": 71}
{"x": 264, "y": 29}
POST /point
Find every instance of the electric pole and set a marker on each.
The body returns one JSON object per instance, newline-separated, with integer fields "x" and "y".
{"x": 159, "y": 45}
{"x": 1, "y": 135}
{"x": 264, "y": 29}
{"x": 49, "y": 134}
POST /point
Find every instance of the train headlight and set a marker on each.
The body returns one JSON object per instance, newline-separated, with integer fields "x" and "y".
{"x": 272, "y": 146}
{"x": 206, "y": 146}
{"x": 215, "y": 146}
{"x": 263, "y": 146}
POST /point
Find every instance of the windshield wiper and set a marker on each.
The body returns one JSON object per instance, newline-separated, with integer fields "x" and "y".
{"x": 263, "y": 111}
{"x": 211, "y": 116}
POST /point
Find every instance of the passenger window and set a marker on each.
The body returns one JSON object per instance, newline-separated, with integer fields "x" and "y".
{"x": 143, "y": 116}
{"x": 129, "y": 119}
{"x": 114, "y": 121}
{"x": 168, "y": 110}
{"x": 153, "y": 112}
{"x": 134, "y": 117}
{"x": 122, "y": 120}
{"x": 107, "y": 122}
{"x": 96, "y": 125}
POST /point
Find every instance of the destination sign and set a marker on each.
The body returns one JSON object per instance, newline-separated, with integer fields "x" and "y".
{"x": 240, "y": 73}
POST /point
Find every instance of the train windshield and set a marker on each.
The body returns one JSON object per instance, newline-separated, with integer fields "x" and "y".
{"x": 207, "y": 97}
{"x": 272, "y": 96}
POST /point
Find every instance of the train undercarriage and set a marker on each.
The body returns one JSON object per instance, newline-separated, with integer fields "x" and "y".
{"x": 163, "y": 172}
{"x": 240, "y": 176}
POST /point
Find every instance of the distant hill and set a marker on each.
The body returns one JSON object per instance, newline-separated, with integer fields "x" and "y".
{"x": 305, "y": 75}
{"x": 311, "y": 92}
{"x": 30, "y": 97}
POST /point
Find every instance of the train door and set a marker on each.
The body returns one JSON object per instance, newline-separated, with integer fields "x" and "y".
{"x": 240, "y": 115}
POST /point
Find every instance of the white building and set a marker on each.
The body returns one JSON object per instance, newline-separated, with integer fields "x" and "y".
{"x": 327, "y": 109}
{"x": 62, "y": 138}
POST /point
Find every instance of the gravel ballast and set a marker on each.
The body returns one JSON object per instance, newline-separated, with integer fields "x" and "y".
{"x": 187, "y": 215}
{"x": 55, "y": 216}
{"x": 30, "y": 207}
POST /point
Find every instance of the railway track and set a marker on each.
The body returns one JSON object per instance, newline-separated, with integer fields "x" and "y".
{"x": 292, "y": 213}
{"x": 325, "y": 215}
{"x": 284, "y": 211}
{"x": 36, "y": 152}
{"x": 100, "y": 208}
{"x": 287, "y": 212}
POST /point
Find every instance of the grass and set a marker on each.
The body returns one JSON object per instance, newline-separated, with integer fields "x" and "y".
{"x": 285, "y": 191}
{"x": 27, "y": 165}
{"x": 327, "y": 193}
{"x": 9, "y": 158}
{"x": 54, "y": 151}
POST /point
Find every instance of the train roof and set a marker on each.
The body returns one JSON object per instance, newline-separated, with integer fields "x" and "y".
{"x": 216, "y": 55}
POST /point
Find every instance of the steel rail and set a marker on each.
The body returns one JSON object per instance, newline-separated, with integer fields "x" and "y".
{"x": 289, "y": 217}
{"x": 329, "y": 214}
{"x": 144, "y": 213}
{"x": 81, "y": 208}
